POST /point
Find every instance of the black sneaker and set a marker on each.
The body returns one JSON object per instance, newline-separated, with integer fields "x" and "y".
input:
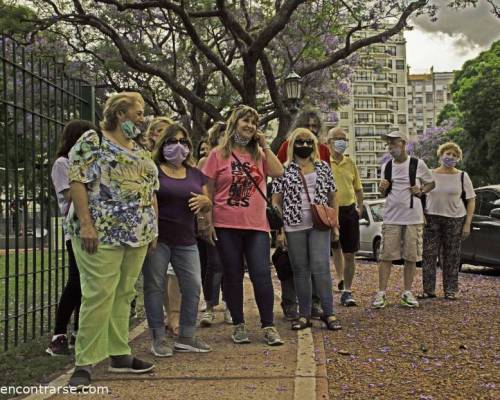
{"x": 290, "y": 312}
{"x": 80, "y": 379}
{"x": 316, "y": 311}
{"x": 347, "y": 300}
{"x": 58, "y": 346}
{"x": 124, "y": 367}
{"x": 341, "y": 285}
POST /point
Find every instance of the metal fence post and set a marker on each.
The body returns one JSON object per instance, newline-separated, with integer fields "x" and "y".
{"x": 87, "y": 110}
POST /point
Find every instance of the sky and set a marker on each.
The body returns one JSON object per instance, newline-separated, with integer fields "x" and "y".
{"x": 456, "y": 37}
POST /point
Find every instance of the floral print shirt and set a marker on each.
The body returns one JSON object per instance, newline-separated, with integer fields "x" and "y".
{"x": 120, "y": 187}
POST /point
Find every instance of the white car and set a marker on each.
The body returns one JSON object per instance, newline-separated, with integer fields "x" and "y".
{"x": 370, "y": 228}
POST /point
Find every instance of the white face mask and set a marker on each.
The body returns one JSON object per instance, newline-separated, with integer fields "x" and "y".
{"x": 340, "y": 146}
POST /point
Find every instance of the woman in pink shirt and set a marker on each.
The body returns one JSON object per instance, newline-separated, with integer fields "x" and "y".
{"x": 240, "y": 228}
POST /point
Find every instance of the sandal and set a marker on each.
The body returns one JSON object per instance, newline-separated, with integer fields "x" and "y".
{"x": 450, "y": 296}
{"x": 331, "y": 322}
{"x": 426, "y": 295}
{"x": 301, "y": 323}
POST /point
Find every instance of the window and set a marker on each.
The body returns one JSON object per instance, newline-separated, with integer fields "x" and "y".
{"x": 391, "y": 50}
{"x": 428, "y": 98}
{"x": 377, "y": 212}
{"x": 419, "y": 100}
{"x": 485, "y": 202}
{"x": 363, "y": 103}
{"x": 365, "y": 146}
{"x": 401, "y": 119}
{"x": 364, "y": 131}
{"x": 389, "y": 64}
{"x": 400, "y": 64}
{"x": 344, "y": 115}
{"x": 400, "y": 92}
{"x": 363, "y": 90}
{"x": 393, "y": 78}
{"x": 439, "y": 95}
{"x": 363, "y": 117}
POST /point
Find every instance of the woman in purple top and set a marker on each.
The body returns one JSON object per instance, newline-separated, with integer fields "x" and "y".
{"x": 182, "y": 194}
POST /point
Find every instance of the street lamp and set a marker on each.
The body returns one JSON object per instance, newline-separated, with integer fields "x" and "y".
{"x": 293, "y": 89}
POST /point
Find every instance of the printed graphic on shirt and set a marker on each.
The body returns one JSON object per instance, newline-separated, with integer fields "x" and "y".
{"x": 242, "y": 188}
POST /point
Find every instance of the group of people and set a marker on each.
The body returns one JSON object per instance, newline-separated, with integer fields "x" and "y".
{"x": 138, "y": 202}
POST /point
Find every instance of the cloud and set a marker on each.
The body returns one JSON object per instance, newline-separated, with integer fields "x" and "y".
{"x": 469, "y": 27}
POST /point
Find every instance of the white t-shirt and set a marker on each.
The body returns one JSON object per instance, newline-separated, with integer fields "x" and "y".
{"x": 60, "y": 180}
{"x": 445, "y": 198}
{"x": 307, "y": 221}
{"x": 397, "y": 209}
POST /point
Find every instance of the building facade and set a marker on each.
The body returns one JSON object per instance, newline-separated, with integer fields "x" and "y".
{"x": 427, "y": 95}
{"x": 378, "y": 105}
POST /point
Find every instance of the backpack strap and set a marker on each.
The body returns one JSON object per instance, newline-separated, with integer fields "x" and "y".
{"x": 413, "y": 176}
{"x": 462, "y": 196}
{"x": 388, "y": 176}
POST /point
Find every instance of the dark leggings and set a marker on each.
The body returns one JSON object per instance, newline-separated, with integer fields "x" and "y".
{"x": 70, "y": 297}
{"x": 211, "y": 272}
{"x": 233, "y": 245}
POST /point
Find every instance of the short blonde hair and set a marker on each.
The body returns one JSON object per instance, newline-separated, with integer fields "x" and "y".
{"x": 333, "y": 131}
{"x": 291, "y": 143}
{"x": 449, "y": 146}
{"x": 118, "y": 102}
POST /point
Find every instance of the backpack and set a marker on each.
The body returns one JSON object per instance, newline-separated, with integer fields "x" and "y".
{"x": 413, "y": 179}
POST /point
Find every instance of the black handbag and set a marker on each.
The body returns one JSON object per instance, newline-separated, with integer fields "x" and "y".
{"x": 273, "y": 214}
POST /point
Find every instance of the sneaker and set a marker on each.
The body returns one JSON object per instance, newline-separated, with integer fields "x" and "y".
{"x": 272, "y": 337}
{"x": 408, "y": 300}
{"x": 160, "y": 347}
{"x": 208, "y": 317}
{"x": 380, "y": 300}
{"x": 316, "y": 311}
{"x": 191, "y": 345}
{"x": 58, "y": 346}
{"x": 346, "y": 299}
{"x": 341, "y": 285}
{"x": 290, "y": 312}
{"x": 72, "y": 341}
{"x": 227, "y": 317}
{"x": 125, "y": 367}
{"x": 203, "y": 306}
{"x": 240, "y": 334}
{"x": 80, "y": 379}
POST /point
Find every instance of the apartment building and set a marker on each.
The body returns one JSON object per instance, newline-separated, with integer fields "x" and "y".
{"x": 378, "y": 105}
{"x": 427, "y": 95}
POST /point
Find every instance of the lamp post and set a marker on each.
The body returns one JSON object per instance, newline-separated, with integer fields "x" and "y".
{"x": 293, "y": 90}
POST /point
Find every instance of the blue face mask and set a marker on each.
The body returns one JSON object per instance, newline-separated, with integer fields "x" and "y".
{"x": 129, "y": 129}
{"x": 449, "y": 162}
{"x": 340, "y": 146}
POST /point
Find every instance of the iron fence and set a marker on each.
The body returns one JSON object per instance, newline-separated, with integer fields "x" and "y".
{"x": 37, "y": 98}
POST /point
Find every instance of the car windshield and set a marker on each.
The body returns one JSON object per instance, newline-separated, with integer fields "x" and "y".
{"x": 377, "y": 212}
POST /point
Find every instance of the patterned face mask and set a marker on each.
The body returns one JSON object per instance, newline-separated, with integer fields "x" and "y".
{"x": 129, "y": 129}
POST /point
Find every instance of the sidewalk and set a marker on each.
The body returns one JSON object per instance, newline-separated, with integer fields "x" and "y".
{"x": 293, "y": 371}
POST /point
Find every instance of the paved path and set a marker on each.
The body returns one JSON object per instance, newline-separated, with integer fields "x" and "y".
{"x": 293, "y": 371}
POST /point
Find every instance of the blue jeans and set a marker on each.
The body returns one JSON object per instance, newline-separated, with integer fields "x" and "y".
{"x": 309, "y": 252}
{"x": 233, "y": 245}
{"x": 186, "y": 263}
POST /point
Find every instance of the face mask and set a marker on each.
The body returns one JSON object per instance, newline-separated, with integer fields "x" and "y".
{"x": 449, "y": 162}
{"x": 129, "y": 129}
{"x": 340, "y": 146}
{"x": 303, "y": 151}
{"x": 395, "y": 152}
{"x": 175, "y": 153}
{"x": 240, "y": 140}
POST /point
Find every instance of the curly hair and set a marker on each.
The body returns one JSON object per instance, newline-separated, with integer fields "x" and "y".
{"x": 449, "y": 146}
{"x": 302, "y": 120}
{"x": 118, "y": 102}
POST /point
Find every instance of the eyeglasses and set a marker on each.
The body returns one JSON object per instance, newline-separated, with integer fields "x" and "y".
{"x": 302, "y": 142}
{"x": 184, "y": 142}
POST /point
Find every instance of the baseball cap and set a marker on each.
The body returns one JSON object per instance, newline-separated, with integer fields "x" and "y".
{"x": 397, "y": 134}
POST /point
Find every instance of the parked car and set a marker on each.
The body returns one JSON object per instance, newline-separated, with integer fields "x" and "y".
{"x": 482, "y": 247}
{"x": 370, "y": 228}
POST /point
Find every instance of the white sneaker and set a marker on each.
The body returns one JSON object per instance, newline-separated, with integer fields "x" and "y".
{"x": 227, "y": 317}
{"x": 380, "y": 301}
{"x": 208, "y": 317}
{"x": 408, "y": 300}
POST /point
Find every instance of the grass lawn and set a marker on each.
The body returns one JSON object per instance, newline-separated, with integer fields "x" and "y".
{"x": 30, "y": 287}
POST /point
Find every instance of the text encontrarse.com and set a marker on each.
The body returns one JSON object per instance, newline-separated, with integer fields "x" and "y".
{"x": 52, "y": 390}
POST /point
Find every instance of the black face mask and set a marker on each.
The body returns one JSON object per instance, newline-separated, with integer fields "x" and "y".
{"x": 303, "y": 151}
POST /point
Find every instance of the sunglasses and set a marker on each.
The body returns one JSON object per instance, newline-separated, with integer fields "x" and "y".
{"x": 184, "y": 142}
{"x": 302, "y": 142}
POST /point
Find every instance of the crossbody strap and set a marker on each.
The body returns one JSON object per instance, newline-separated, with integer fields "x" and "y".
{"x": 303, "y": 179}
{"x": 251, "y": 178}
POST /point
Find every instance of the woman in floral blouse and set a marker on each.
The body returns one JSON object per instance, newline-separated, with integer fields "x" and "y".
{"x": 113, "y": 180}
{"x": 308, "y": 247}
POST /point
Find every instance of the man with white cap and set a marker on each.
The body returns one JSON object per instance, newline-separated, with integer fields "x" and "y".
{"x": 404, "y": 180}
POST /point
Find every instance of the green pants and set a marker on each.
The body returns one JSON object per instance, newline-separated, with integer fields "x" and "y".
{"x": 107, "y": 278}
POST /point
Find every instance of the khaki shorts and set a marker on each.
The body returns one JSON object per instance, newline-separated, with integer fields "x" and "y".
{"x": 401, "y": 242}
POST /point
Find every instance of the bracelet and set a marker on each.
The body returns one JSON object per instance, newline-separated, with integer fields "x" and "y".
{"x": 266, "y": 147}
